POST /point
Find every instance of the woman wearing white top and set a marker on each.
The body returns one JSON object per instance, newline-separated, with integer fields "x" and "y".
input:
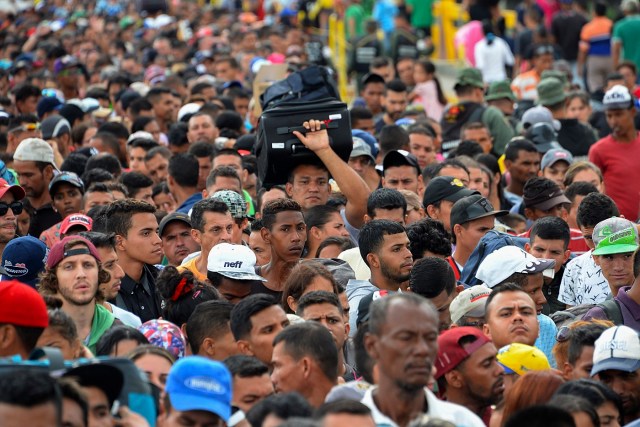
{"x": 493, "y": 55}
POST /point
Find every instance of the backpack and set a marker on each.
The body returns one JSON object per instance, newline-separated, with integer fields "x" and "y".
{"x": 611, "y": 308}
{"x": 456, "y": 116}
{"x": 311, "y": 84}
{"x": 489, "y": 243}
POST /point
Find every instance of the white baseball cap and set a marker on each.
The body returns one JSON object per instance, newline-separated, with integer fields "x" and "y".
{"x": 236, "y": 262}
{"x": 617, "y": 98}
{"x": 35, "y": 150}
{"x": 503, "y": 262}
{"x": 470, "y": 302}
{"x": 618, "y": 348}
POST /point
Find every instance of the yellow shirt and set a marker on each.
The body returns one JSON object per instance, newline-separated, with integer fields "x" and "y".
{"x": 192, "y": 266}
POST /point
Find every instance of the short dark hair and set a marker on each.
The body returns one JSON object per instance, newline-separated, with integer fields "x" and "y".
{"x": 576, "y": 404}
{"x": 318, "y": 297}
{"x": 25, "y": 91}
{"x": 119, "y": 213}
{"x": 28, "y": 388}
{"x": 579, "y": 188}
{"x": 140, "y": 122}
{"x": 318, "y": 216}
{"x": 206, "y": 205}
{"x": 135, "y": 181}
{"x": 144, "y": 143}
{"x": 75, "y": 162}
{"x": 594, "y": 391}
{"x": 345, "y": 243}
{"x": 364, "y": 361}
{"x": 155, "y": 93}
{"x": 392, "y": 137}
{"x": 430, "y": 235}
{"x": 114, "y": 128}
{"x": 385, "y": 198}
{"x": 360, "y": 113}
{"x": 242, "y": 313}
{"x": 372, "y": 235}
{"x": 202, "y": 149}
{"x": 313, "y": 340}
{"x": 583, "y": 336}
{"x": 105, "y": 161}
{"x": 100, "y": 240}
{"x": 595, "y": 208}
{"x": 551, "y": 228}
{"x": 243, "y": 366}
{"x": 71, "y": 390}
{"x": 161, "y": 150}
{"x": 541, "y": 416}
{"x": 178, "y": 134}
{"x": 96, "y": 177}
{"x": 184, "y": 169}
{"x": 342, "y": 406}
{"x": 301, "y": 277}
{"x": 380, "y": 307}
{"x": 274, "y": 207}
{"x": 435, "y": 169}
{"x": 222, "y": 171}
{"x": 430, "y": 276}
{"x": 396, "y": 85}
{"x": 281, "y": 405}
{"x": 139, "y": 105}
{"x": 209, "y": 319}
{"x": 229, "y": 120}
{"x": 516, "y": 145}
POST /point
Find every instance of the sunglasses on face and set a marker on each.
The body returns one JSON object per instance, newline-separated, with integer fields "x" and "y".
{"x": 16, "y": 208}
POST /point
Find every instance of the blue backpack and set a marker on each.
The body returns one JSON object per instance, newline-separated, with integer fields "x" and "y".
{"x": 490, "y": 242}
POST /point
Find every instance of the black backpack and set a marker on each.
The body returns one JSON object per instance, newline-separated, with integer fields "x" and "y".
{"x": 311, "y": 84}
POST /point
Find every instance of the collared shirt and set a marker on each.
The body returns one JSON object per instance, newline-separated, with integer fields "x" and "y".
{"x": 186, "y": 206}
{"x": 436, "y": 409}
{"x": 140, "y": 298}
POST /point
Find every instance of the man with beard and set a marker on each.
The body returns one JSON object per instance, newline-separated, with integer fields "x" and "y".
{"x": 394, "y": 101}
{"x": 468, "y": 372}
{"x": 106, "y": 247}
{"x": 34, "y": 163}
{"x": 10, "y": 208}
{"x": 404, "y": 365}
{"x": 384, "y": 247}
{"x": 73, "y": 274}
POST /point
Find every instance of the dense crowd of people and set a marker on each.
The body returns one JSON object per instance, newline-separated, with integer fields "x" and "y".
{"x": 471, "y": 258}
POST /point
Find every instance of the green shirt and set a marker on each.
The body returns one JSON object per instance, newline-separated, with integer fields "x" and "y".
{"x": 354, "y": 13}
{"x": 421, "y": 13}
{"x": 499, "y": 127}
{"x": 626, "y": 32}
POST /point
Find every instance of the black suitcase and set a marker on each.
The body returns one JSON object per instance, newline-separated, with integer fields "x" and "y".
{"x": 279, "y": 151}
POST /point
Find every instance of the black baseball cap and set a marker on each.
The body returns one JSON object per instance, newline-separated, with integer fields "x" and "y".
{"x": 445, "y": 188}
{"x": 105, "y": 377}
{"x": 400, "y": 158}
{"x": 546, "y": 198}
{"x": 471, "y": 208}
{"x": 175, "y": 216}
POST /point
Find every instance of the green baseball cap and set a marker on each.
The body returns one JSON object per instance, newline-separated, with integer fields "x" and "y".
{"x": 556, "y": 74}
{"x": 550, "y": 91}
{"x": 615, "y": 236}
{"x": 500, "y": 90}
{"x": 470, "y": 77}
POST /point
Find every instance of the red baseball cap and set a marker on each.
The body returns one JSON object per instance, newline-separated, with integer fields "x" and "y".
{"x": 22, "y": 305}
{"x": 451, "y": 353}
{"x": 16, "y": 190}
{"x": 76, "y": 219}
{"x": 58, "y": 252}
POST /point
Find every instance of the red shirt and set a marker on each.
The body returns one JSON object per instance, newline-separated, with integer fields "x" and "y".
{"x": 619, "y": 164}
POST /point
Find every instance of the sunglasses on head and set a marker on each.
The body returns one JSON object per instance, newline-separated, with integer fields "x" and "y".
{"x": 16, "y": 208}
{"x": 27, "y": 127}
{"x": 542, "y": 50}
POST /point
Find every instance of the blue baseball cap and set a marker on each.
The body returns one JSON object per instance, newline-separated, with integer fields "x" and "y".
{"x": 24, "y": 259}
{"x": 196, "y": 383}
{"x": 48, "y": 104}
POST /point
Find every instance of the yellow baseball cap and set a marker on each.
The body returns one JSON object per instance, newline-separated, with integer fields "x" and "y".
{"x": 520, "y": 358}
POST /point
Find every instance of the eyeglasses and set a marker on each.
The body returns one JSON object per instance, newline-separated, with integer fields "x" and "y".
{"x": 16, "y": 208}
{"x": 564, "y": 334}
{"x": 27, "y": 127}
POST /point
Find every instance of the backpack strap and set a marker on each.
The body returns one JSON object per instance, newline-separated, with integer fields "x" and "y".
{"x": 612, "y": 309}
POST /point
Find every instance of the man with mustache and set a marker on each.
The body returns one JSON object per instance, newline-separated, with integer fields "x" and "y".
{"x": 74, "y": 273}
{"x": 616, "y": 154}
{"x": 10, "y": 208}
{"x": 468, "y": 372}
{"x": 403, "y": 342}
{"x": 177, "y": 241}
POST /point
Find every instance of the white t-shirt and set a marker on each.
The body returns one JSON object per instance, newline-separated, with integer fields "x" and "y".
{"x": 491, "y": 59}
{"x": 439, "y": 409}
{"x": 583, "y": 282}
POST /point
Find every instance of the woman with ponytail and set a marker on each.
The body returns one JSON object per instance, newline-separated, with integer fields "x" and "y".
{"x": 182, "y": 292}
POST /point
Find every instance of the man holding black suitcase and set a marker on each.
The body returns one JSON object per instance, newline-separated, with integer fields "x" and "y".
{"x": 309, "y": 182}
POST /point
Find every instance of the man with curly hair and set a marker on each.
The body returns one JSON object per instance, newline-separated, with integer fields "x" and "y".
{"x": 73, "y": 274}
